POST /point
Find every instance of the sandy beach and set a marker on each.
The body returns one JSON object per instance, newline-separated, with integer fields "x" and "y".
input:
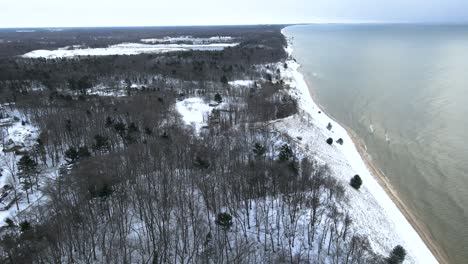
{"x": 419, "y": 226}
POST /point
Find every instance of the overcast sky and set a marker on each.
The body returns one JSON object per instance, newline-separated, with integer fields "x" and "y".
{"x": 65, "y": 13}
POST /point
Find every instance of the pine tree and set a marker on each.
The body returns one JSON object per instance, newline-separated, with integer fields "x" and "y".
{"x": 224, "y": 79}
{"x": 109, "y": 121}
{"x": 133, "y": 128}
{"x": 68, "y": 125}
{"x": 101, "y": 144}
{"x": 224, "y": 220}
{"x": 201, "y": 163}
{"x": 285, "y": 153}
{"x": 218, "y": 98}
{"x": 24, "y": 226}
{"x": 397, "y": 255}
{"x": 148, "y": 131}
{"x": 259, "y": 150}
{"x": 71, "y": 155}
{"x": 9, "y": 222}
{"x": 356, "y": 182}
{"x": 83, "y": 152}
{"x": 27, "y": 168}
{"x": 120, "y": 127}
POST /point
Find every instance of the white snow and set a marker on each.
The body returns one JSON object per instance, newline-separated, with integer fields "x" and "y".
{"x": 14, "y": 133}
{"x": 215, "y": 39}
{"x": 194, "y": 112}
{"x": 242, "y": 83}
{"x": 124, "y": 49}
{"x": 373, "y": 210}
{"x": 71, "y": 47}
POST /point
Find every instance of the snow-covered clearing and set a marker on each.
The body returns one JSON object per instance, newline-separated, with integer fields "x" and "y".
{"x": 194, "y": 112}
{"x": 242, "y": 83}
{"x": 124, "y": 49}
{"x": 215, "y": 39}
{"x": 372, "y": 209}
{"x": 25, "y": 31}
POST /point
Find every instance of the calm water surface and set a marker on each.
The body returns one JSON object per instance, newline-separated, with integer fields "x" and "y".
{"x": 404, "y": 90}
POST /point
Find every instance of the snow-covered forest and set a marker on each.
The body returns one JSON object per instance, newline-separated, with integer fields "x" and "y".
{"x": 167, "y": 157}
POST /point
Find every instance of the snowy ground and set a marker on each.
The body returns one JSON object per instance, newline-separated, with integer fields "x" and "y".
{"x": 373, "y": 210}
{"x": 124, "y": 49}
{"x": 242, "y": 83}
{"x": 14, "y": 134}
{"x": 215, "y": 39}
{"x": 194, "y": 112}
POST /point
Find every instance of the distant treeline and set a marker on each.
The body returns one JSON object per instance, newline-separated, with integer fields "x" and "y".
{"x": 259, "y": 46}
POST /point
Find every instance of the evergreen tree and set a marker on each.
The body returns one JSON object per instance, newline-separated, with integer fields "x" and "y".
{"x": 9, "y": 222}
{"x": 224, "y": 220}
{"x": 356, "y": 182}
{"x": 285, "y": 153}
{"x": 218, "y": 98}
{"x": 84, "y": 83}
{"x": 148, "y": 131}
{"x": 132, "y": 128}
{"x": 397, "y": 255}
{"x": 68, "y": 125}
{"x": 101, "y": 144}
{"x": 201, "y": 163}
{"x": 24, "y": 226}
{"x": 105, "y": 191}
{"x": 39, "y": 149}
{"x": 109, "y": 121}
{"x": 27, "y": 168}
{"x": 71, "y": 155}
{"x": 83, "y": 152}
{"x": 120, "y": 127}
{"x": 259, "y": 150}
{"x": 224, "y": 79}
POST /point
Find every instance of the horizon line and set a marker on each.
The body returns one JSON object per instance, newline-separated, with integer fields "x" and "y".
{"x": 260, "y": 24}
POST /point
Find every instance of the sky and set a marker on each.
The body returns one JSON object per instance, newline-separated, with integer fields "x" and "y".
{"x": 86, "y": 13}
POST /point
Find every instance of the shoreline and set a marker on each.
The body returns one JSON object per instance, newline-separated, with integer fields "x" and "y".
{"x": 418, "y": 226}
{"x": 383, "y": 181}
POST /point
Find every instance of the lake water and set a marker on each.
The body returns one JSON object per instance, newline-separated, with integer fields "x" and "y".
{"x": 404, "y": 90}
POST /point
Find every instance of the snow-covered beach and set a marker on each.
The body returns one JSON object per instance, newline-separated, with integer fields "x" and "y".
{"x": 377, "y": 209}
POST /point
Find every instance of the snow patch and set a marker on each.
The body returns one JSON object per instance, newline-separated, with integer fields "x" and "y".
{"x": 25, "y": 31}
{"x": 194, "y": 112}
{"x": 215, "y": 39}
{"x": 243, "y": 83}
{"x": 124, "y": 49}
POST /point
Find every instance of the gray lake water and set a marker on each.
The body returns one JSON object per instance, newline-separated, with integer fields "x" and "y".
{"x": 404, "y": 90}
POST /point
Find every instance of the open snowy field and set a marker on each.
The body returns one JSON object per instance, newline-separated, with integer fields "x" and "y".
{"x": 373, "y": 210}
{"x": 124, "y": 49}
{"x": 216, "y": 39}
